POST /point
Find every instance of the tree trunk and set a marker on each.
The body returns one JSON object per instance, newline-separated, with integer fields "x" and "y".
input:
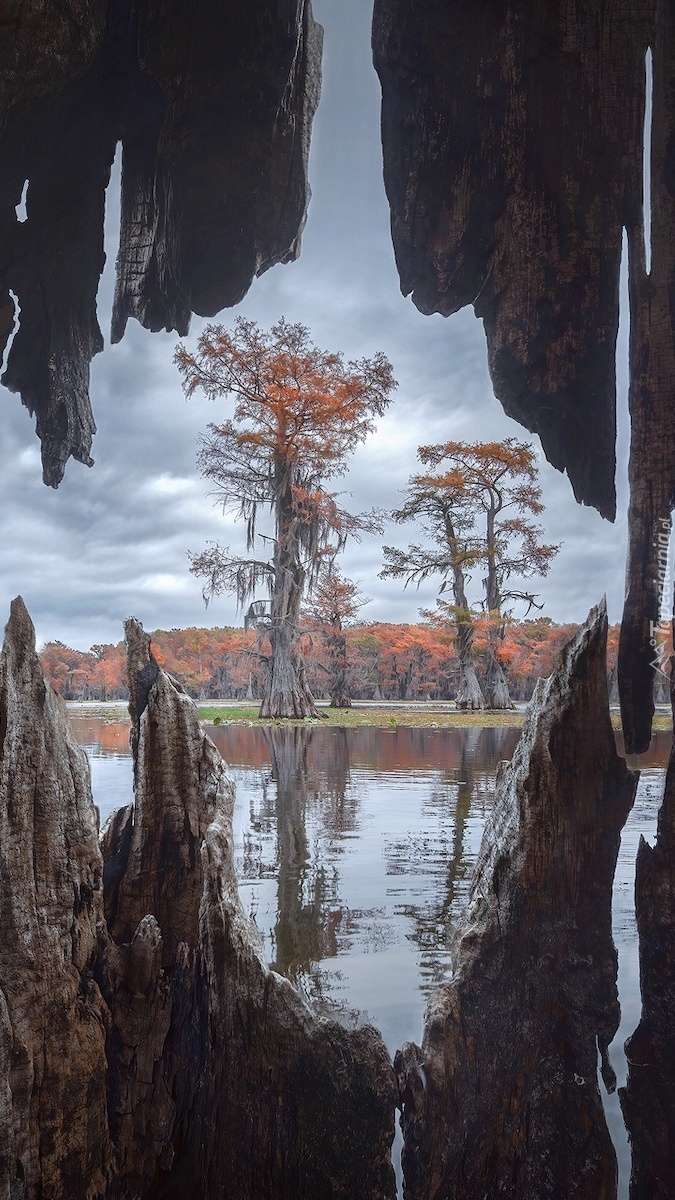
{"x": 648, "y": 603}
{"x": 496, "y": 686}
{"x": 492, "y": 592}
{"x": 338, "y": 684}
{"x": 469, "y": 694}
{"x": 286, "y": 691}
{"x": 404, "y": 683}
{"x": 54, "y": 1129}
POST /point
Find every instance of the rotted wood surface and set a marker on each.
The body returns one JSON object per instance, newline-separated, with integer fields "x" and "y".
{"x": 502, "y": 1098}
{"x": 54, "y": 1021}
{"x": 269, "y": 1100}
{"x": 147, "y": 1051}
{"x": 153, "y": 1054}
{"x": 649, "y": 599}
{"x": 512, "y": 140}
{"x": 513, "y": 160}
{"x": 213, "y": 105}
{"x": 648, "y": 1100}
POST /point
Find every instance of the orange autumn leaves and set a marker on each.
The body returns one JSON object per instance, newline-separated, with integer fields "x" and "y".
{"x": 386, "y": 661}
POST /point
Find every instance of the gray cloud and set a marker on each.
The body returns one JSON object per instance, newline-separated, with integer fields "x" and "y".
{"x": 114, "y": 539}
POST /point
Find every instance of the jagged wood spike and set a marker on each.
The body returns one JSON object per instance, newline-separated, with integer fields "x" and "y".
{"x": 502, "y": 1098}
{"x": 54, "y": 1137}
{"x": 251, "y": 1087}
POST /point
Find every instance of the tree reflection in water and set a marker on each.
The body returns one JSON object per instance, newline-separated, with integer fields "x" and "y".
{"x": 463, "y": 793}
{"x": 370, "y": 836}
{"x": 355, "y": 850}
{"x": 307, "y": 906}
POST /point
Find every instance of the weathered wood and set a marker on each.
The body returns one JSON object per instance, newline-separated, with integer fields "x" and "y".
{"x": 43, "y": 45}
{"x": 502, "y": 1099}
{"x": 513, "y": 160}
{"x": 267, "y": 1097}
{"x": 64, "y": 146}
{"x": 652, "y": 405}
{"x": 213, "y": 106}
{"x": 163, "y": 1058}
{"x": 215, "y": 181}
{"x": 54, "y": 1137}
{"x": 512, "y": 142}
{"x": 648, "y": 1100}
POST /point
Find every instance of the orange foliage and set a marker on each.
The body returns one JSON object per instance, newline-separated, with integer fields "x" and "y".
{"x": 97, "y": 674}
{"x": 386, "y": 661}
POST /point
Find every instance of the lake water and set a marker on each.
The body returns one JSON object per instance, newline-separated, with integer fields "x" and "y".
{"x": 354, "y": 852}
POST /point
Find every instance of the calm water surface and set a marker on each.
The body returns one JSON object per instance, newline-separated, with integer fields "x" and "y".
{"x": 354, "y": 852}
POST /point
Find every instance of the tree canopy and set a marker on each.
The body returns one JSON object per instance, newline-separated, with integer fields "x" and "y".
{"x": 385, "y": 661}
{"x": 475, "y": 509}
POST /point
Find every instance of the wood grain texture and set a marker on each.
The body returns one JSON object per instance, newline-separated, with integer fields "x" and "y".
{"x": 213, "y": 105}
{"x": 502, "y": 1098}
{"x": 146, "y": 1050}
{"x": 54, "y": 1137}
{"x": 649, "y": 599}
{"x": 648, "y": 1100}
{"x": 512, "y": 148}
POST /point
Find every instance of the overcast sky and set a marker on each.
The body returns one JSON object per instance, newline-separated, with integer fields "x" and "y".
{"x": 113, "y": 540}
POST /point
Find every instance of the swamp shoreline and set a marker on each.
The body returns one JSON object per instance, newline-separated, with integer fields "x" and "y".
{"x": 433, "y": 714}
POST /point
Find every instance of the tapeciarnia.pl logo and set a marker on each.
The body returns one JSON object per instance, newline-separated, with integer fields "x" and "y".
{"x": 659, "y": 633}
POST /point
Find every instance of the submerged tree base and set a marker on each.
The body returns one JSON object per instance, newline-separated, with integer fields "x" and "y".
{"x": 469, "y": 693}
{"x": 295, "y": 704}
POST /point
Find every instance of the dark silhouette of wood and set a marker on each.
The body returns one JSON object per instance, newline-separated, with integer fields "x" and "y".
{"x": 649, "y": 601}
{"x": 512, "y": 144}
{"x": 502, "y": 1099}
{"x": 513, "y": 162}
{"x": 512, "y": 140}
{"x": 213, "y": 106}
{"x": 648, "y": 1100}
{"x": 150, "y": 1052}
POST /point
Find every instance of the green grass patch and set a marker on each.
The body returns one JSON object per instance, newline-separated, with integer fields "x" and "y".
{"x": 390, "y": 718}
{"x": 222, "y": 714}
{"x": 382, "y": 718}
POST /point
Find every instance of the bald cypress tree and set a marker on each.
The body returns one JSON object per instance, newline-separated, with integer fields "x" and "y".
{"x": 475, "y": 502}
{"x": 298, "y": 414}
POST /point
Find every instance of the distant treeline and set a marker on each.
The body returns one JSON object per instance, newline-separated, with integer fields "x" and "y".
{"x": 385, "y": 661}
